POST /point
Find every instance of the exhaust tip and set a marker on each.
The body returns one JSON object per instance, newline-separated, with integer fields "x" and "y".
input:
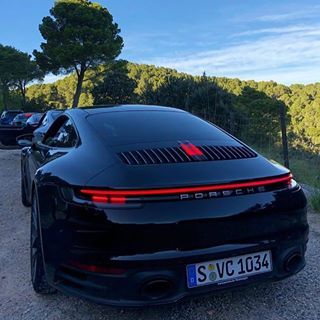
{"x": 293, "y": 263}
{"x": 156, "y": 289}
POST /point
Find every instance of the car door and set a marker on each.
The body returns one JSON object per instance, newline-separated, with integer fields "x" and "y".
{"x": 60, "y": 139}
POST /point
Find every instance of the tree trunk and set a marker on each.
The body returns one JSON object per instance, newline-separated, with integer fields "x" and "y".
{"x": 22, "y": 88}
{"x": 78, "y": 89}
{"x": 284, "y": 135}
{"x": 5, "y": 96}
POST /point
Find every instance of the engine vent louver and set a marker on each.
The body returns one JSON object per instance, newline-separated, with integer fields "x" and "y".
{"x": 178, "y": 155}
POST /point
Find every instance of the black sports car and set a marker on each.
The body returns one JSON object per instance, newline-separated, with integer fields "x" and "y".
{"x": 138, "y": 205}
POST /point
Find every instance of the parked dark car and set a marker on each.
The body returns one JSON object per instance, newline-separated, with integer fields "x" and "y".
{"x": 10, "y": 134}
{"x": 18, "y": 126}
{"x": 34, "y": 120}
{"x": 7, "y": 116}
{"x": 21, "y": 119}
{"x": 140, "y": 205}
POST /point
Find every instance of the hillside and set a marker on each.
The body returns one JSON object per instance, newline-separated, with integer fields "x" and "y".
{"x": 231, "y": 103}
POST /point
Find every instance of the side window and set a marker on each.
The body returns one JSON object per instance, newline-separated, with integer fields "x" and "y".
{"x": 63, "y": 137}
{"x": 44, "y": 121}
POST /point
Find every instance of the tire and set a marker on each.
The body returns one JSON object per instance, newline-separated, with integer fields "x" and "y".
{"x": 24, "y": 198}
{"x": 38, "y": 277}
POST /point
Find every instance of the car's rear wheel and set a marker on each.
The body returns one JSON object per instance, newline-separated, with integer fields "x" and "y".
{"x": 38, "y": 277}
{"x": 24, "y": 198}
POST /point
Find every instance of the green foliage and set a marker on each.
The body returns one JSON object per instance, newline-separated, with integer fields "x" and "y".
{"x": 115, "y": 87}
{"x": 247, "y": 109}
{"x": 304, "y": 109}
{"x": 60, "y": 94}
{"x": 28, "y": 71}
{"x": 79, "y": 35}
{"x": 8, "y": 70}
{"x": 16, "y": 71}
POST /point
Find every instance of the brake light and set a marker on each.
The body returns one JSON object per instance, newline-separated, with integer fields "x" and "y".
{"x": 120, "y": 196}
{"x": 98, "y": 198}
{"x": 191, "y": 150}
{"x": 118, "y": 200}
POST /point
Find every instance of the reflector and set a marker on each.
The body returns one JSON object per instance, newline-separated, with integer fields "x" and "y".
{"x": 97, "y": 269}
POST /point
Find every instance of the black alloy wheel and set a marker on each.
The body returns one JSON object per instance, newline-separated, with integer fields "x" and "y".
{"x": 38, "y": 277}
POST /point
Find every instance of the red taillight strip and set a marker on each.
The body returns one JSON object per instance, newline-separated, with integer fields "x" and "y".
{"x": 156, "y": 192}
{"x": 97, "y": 269}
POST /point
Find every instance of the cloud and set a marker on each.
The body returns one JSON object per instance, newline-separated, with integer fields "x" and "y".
{"x": 304, "y": 74}
{"x": 276, "y": 30}
{"x": 295, "y": 15}
{"x": 281, "y": 56}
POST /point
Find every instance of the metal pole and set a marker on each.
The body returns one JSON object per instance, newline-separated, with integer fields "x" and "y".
{"x": 284, "y": 135}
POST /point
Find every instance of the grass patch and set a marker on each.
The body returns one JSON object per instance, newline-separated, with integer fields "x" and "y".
{"x": 306, "y": 171}
{"x": 305, "y": 167}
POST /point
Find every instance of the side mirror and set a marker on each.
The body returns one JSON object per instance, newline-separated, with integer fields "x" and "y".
{"x": 24, "y": 143}
{"x": 25, "y": 140}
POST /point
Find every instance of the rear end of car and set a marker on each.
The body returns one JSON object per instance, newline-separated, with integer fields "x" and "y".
{"x": 170, "y": 219}
{"x": 17, "y": 127}
{"x": 21, "y": 119}
{"x": 7, "y": 116}
{"x": 34, "y": 120}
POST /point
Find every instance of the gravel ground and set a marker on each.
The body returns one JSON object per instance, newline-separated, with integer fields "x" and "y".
{"x": 294, "y": 298}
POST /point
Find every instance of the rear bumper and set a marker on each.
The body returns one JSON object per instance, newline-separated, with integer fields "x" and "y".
{"x": 130, "y": 289}
{"x": 8, "y": 135}
{"x": 156, "y": 241}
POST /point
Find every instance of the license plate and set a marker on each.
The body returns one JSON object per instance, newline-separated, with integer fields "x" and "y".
{"x": 228, "y": 270}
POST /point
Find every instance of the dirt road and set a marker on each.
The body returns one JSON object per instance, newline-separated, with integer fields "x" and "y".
{"x": 294, "y": 298}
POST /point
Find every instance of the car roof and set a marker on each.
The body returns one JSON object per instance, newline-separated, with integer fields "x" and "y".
{"x": 123, "y": 108}
{"x": 54, "y": 111}
{"x": 20, "y": 111}
{"x": 24, "y": 114}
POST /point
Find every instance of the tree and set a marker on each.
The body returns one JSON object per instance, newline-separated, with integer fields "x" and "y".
{"x": 27, "y": 72}
{"x": 116, "y": 87}
{"x": 16, "y": 71}
{"x": 79, "y": 35}
{"x": 247, "y": 109}
{"x": 8, "y": 71}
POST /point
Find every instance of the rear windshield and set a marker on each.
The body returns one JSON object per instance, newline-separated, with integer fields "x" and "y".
{"x": 9, "y": 114}
{"x": 34, "y": 118}
{"x": 148, "y": 126}
{"x": 21, "y": 116}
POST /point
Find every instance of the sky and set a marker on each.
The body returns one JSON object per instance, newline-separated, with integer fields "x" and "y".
{"x": 245, "y": 39}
